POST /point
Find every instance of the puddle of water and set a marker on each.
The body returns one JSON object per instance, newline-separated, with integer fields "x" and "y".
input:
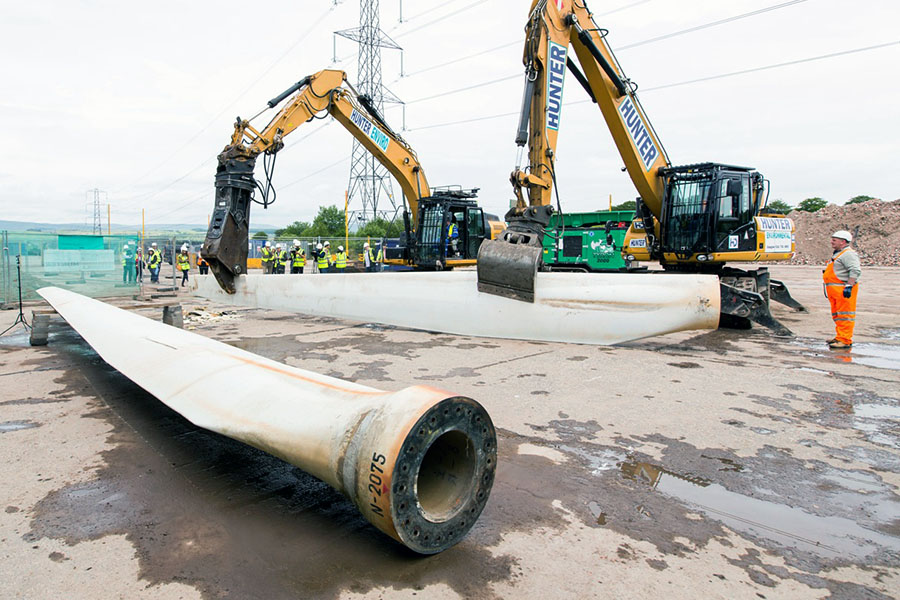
{"x": 17, "y": 426}
{"x": 605, "y": 460}
{"x": 831, "y": 537}
{"x": 597, "y": 512}
{"x": 877, "y": 411}
{"x": 882, "y": 356}
{"x": 811, "y": 370}
{"x": 877, "y": 421}
{"x": 890, "y": 334}
{"x": 875, "y": 434}
{"x": 856, "y": 481}
{"x": 18, "y": 338}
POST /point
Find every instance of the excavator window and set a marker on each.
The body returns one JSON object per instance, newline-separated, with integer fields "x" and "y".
{"x": 431, "y": 234}
{"x": 746, "y": 209}
{"x": 688, "y": 215}
{"x": 728, "y": 204}
{"x": 734, "y": 212}
{"x": 474, "y": 231}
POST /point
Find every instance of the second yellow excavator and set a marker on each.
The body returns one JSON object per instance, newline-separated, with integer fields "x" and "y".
{"x": 690, "y": 218}
{"x": 444, "y": 227}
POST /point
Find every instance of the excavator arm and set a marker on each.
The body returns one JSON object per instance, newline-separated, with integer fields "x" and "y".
{"x": 326, "y": 92}
{"x": 554, "y": 28}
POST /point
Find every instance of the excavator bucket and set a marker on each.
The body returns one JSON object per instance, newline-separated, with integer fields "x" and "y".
{"x": 508, "y": 269}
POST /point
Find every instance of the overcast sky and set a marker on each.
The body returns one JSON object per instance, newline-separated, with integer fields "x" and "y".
{"x": 136, "y": 99}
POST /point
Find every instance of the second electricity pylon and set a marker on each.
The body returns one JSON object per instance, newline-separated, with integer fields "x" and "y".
{"x": 369, "y": 180}
{"x": 97, "y": 228}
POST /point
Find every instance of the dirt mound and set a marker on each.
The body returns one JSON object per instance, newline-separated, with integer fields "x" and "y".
{"x": 874, "y": 225}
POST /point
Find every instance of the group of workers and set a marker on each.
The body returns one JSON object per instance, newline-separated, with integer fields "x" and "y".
{"x": 134, "y": 262}
{"x": 275, "y": 260}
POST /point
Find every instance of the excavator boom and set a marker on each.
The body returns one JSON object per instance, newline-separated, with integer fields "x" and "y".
{"x": 326, "y": 92}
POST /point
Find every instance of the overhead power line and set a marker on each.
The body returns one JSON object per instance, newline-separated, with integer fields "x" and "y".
{"x": 314, "y": 173}
{"x": 711, "y": 24}
{"x": 680, "y": 83}
{"x": 462, "y": 58}
{"x": 626, "y": 47}
{"x": 775, "y": 66}
{"x": 425, "y": 12}
{"x": 230, "y": 104}
{"x": 439, "y": 19}
{"x": 464, "y": 89}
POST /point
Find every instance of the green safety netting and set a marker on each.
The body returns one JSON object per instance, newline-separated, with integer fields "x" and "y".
{"x": 93, "y": 265}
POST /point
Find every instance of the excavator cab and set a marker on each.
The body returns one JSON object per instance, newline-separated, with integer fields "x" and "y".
{"x": 450, "y": 229}
{"x": 708, "y": 210}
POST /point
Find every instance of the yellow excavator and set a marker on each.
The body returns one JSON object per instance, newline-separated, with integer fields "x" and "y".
{"x": 428, "y": 241}
{"x": 689, "y": 218}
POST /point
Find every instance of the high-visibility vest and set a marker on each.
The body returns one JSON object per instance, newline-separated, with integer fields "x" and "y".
{"x": 370, "y": 255}
{"x": 266, "y": 254}
{"x": 183, "y": 261}
{"x": 298, "y": 258}
{"x": 322, "y": 260}
{"x": 127, "y": 256}
{"x": 341, "y": 260}
{"x": 154, "y": 259}
{"x": 201, "y": 262}
{"x": 452, "y": 232}
{"x": 380, "y": 256}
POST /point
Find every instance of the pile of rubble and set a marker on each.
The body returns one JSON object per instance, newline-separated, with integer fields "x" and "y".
{"x": 198, "y": 316}
{"x": 874, "y": 225}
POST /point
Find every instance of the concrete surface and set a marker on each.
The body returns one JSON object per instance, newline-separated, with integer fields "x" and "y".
{"x": 726, "y": 464}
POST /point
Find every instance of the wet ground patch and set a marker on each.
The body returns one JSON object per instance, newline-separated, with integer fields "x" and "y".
{"x": 871, "y": 354}
{"x": 10, "y": 426}
{"x": 812, "y": 514}
{"x": 234, "y": 521}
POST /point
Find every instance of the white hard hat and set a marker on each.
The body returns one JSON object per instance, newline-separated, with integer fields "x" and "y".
{"x": 268, "y": 244}
{"x": 153, "y": 245}
{"x": 340, "y": 248}
{"x": 318, "y": 246}
{"x": 296, "y": 242}
{"x": 366, "y": 245}
{"x": 843, "y": 235}
{"x": 278, "y": 245}
{"x": 184, "y": 246}
{"x": 327, "y": 243}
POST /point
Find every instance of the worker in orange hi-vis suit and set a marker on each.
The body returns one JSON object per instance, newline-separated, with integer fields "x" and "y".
{"x": 840, "y": 278}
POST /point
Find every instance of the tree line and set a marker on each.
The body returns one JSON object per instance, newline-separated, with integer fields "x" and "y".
{"x": 329, "y": 223}
{"x": 781, "y": 207}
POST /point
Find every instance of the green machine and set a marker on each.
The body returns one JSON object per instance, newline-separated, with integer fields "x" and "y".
{"x": 588, "y": 241}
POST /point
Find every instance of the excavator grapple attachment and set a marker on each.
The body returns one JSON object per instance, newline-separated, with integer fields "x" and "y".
{"x": 746, "y": 295}
{"x": 508, "y": 269}
{"x": 225, "y": 247}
